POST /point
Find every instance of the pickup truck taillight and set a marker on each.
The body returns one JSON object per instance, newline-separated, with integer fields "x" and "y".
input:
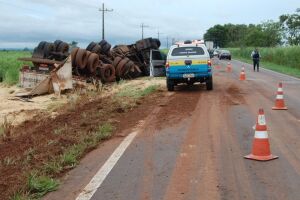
{"x": 209, "y": 63}
{"x": 167, "y": 65}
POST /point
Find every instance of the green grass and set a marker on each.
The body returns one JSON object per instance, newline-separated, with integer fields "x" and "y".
{"x": 137, "y": 93}
{"x": 285, "y": 60}
{"x": 39, "y": 185}
{"x": 41, "y": 182}
{"x": 165, "y": 51}
{"x": 70, "y": 157}
{"x": 21, "y": 196}
{"x": 10, "y": 66}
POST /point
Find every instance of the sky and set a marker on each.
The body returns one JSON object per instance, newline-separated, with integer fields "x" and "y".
{"x": 24, "y": 23}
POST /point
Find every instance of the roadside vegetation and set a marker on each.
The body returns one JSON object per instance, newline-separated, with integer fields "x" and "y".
{"x": 286, "y": 30}
{"x": 9, "y": 65}
{"x": 281, "y": 59}
{"x": 57, "y": 144}
{"x": 278, "y": 42}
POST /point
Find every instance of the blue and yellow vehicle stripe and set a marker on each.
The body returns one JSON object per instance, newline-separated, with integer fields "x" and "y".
{"x": 182, "y": 63}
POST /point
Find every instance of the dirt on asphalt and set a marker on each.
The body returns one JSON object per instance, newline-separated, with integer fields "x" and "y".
{"x": 192, "y": 146}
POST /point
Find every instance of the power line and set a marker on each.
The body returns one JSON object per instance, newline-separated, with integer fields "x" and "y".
{"x": 103, "y": 10}
{"x": 143, "y": 26}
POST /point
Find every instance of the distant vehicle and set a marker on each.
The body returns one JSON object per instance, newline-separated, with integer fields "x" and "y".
{"x": 188, "y": 63}
{"x": 216, "y": 53}
{"x": 225, "y": 54}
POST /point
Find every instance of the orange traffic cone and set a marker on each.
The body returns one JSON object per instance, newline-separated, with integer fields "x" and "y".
{"x": 217, "y": 67}
{"x": 279, "y": 102}
{"x": 261, "y": 146}
{"x": 229, "y": 67}
{"x": 242, "y": 74}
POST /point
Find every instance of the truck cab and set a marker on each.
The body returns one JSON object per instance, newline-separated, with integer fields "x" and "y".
{"x": 188, "y": 62}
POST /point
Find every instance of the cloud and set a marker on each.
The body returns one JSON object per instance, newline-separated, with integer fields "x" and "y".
{"x": 31, "y": 21}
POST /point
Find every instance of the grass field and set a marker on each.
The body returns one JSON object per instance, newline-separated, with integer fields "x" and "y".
{"x": 9, "y": 65}
{"x": 281, "y": 59}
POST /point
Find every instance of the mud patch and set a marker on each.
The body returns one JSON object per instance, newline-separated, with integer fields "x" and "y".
{"x": 180, "y": 106}
{"x": 233, "y": 96}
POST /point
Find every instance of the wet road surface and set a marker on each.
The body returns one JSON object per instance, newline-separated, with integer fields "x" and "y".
{"x": 192, "y": 145}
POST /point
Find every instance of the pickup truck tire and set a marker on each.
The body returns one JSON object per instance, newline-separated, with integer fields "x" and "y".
{"x": 170, "y": 85}
{"x": 209, "y": 84}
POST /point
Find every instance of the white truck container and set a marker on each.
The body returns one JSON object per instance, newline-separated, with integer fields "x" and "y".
{"x": 209, "y": 45}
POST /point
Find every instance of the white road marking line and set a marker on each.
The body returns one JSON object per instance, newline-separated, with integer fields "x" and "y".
{"x": 100, "y": 176}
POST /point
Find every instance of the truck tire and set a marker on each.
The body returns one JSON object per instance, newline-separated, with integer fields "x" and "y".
{"x": 91, "y": 46}
{"x": 57, "y": 43}
{"x": 116, "y": 61}
{"x": 120, "y": 67}
{"x": 107, "y": 73}
{"x": 41, "y": 45}
{"x": 81, "y": 58}
{"x": 96, "y": 49}
{"x": 170, "y": 85}
{"x": 63, "y": 47}
{"x": 106, "y": 48}
{"x": 93, "y": 62}
{"x": 48, "y": 49}
{"x": 209, "y": 83}
{"x": 73, "y": 56}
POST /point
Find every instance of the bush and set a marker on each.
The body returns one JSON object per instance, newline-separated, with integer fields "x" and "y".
{"x": 286, "y": 56}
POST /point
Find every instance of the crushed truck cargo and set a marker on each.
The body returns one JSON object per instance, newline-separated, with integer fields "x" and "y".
{"x": 55, "y": 67}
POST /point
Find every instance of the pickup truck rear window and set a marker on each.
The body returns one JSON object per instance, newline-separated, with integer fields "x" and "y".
{"x": 187, "y": 51}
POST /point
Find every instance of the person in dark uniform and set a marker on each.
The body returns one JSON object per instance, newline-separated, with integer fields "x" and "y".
{"x": 255, "y": 57}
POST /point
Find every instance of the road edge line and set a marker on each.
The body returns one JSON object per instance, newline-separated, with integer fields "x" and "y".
{"x": 102, "y": 173}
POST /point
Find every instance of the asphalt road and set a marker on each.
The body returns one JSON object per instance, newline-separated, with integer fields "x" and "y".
{"x": 192, "y": 146}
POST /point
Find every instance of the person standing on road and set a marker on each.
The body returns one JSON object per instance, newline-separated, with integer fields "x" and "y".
{"x": 255, "y": 57}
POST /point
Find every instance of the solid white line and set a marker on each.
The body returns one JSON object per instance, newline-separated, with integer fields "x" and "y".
{"x": 100, "y": 176}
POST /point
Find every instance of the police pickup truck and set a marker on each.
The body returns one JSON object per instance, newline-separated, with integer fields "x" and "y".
{"x": 188, "y": 62}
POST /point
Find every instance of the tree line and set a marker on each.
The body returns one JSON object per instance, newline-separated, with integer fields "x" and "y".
{"x": 266, "y": 34}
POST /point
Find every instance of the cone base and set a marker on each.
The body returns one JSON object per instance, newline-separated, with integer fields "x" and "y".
{"x": 279, "y": 108}
{"x": 261, "y": 158}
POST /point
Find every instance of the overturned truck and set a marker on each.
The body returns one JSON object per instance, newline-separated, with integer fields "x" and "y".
{"x": 98, "y": 61}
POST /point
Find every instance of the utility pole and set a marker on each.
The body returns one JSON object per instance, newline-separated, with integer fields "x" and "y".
{"x": 167, "y": 42}
{"x": 173, "y": 41}
{"x": 158, "y": 34}
{"x": 103, "y": 10}
{"x": 143, "y": 26}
